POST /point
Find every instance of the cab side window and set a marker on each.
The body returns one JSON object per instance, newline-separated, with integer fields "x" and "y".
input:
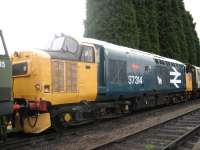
{"x": 87, "y": 54}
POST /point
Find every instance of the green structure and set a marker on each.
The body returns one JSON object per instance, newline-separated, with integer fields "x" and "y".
{"x": 5, "y": 87}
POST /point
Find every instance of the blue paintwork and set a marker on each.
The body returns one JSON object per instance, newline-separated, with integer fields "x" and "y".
{"x": 155, "y": 79}
{"x": 150, "y": 78}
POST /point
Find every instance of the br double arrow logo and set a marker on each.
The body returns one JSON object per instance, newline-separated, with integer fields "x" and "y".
{"x": 175, "y": 80}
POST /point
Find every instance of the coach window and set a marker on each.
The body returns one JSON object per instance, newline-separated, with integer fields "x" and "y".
{"x": 87, "y": 54}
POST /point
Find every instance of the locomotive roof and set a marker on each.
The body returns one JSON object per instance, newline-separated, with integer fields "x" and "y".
{"x": 126, "y": 49}
{"x": 196, "y": 67}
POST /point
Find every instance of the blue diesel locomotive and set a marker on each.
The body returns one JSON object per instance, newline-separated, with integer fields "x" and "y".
{"x": 89, "y": 79}
{"x": 147, "y": 79}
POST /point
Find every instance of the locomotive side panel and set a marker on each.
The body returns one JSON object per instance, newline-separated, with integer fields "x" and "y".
{"x": 170, "y": 76}
{"x": 116, "y": 73}
{"x": 131, "y": 74}
{"x": 73, "y": 82}
{"x": 141, "y": 74}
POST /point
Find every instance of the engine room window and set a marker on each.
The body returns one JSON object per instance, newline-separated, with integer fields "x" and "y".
{"x": 168, "y": 63}
{"x": 162, "y": 62}
{"x": 117, "y": 71}
{"x": 147, "y": 68}
{"x": 58, "y": 76}
{"x": 87, "y": 54}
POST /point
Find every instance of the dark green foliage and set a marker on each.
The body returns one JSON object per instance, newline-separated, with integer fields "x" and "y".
{"x": 152, "y": 21}
{"x": 160, "y": 26}
{"x": 113, "y": 21}
{"x": 169, "y": 45}
{"x": 177, "y": 10}
{"x": 197, "y": 43}
{"x": 142, "y": 19}
{"x": 191, "y": 37}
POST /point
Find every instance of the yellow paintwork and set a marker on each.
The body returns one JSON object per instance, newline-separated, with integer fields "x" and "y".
{"x": 31, "y": 85}
{"x": 40, "y": 74}
{"x": 188, "y": 82}
{"x": 43, "y": 122}
{"x": 87, "y": 86}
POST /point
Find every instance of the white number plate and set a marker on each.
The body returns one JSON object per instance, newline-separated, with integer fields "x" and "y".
{"x": 135, "y": 80}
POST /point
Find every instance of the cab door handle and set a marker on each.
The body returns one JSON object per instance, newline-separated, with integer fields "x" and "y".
{"x": 87, "y": 67}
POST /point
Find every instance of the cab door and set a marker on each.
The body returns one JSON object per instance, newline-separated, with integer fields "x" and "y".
{"x": 87, "y": 73}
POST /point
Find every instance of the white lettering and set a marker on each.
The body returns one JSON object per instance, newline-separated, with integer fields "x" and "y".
{"x": 135, "y": 80}
{"x": 2, "y": 64}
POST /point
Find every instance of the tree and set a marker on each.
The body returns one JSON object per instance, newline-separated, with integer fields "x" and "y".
{"x": 177, "y": 10}
{"x": 113, "y": 21}
{"x": 160, "y": 26}
{"x": 142, "y": 17}
{"x": 169, "y": 45}
{"x": 190, "y": 38}
{"x": 152, "y": 20}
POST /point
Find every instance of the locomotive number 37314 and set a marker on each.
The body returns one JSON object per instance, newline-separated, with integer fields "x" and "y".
{"x": 135, "y": 80}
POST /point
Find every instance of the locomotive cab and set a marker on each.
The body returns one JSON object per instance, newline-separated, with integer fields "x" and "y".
{"x": 73, "y": 70}
{"x": 64, "y": 74}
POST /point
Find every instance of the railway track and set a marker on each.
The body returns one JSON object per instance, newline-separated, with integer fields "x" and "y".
{"x": 192, "y": 144}
{"x": 24, "y": 140}
{"x": 170, "y": 135}
{"x": 90, "y": 136}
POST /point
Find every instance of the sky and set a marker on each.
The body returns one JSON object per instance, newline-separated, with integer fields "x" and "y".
{"x": 32, "y": 23}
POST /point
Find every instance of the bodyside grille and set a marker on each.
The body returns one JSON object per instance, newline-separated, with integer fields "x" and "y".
{"x": 64, "y": 77}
